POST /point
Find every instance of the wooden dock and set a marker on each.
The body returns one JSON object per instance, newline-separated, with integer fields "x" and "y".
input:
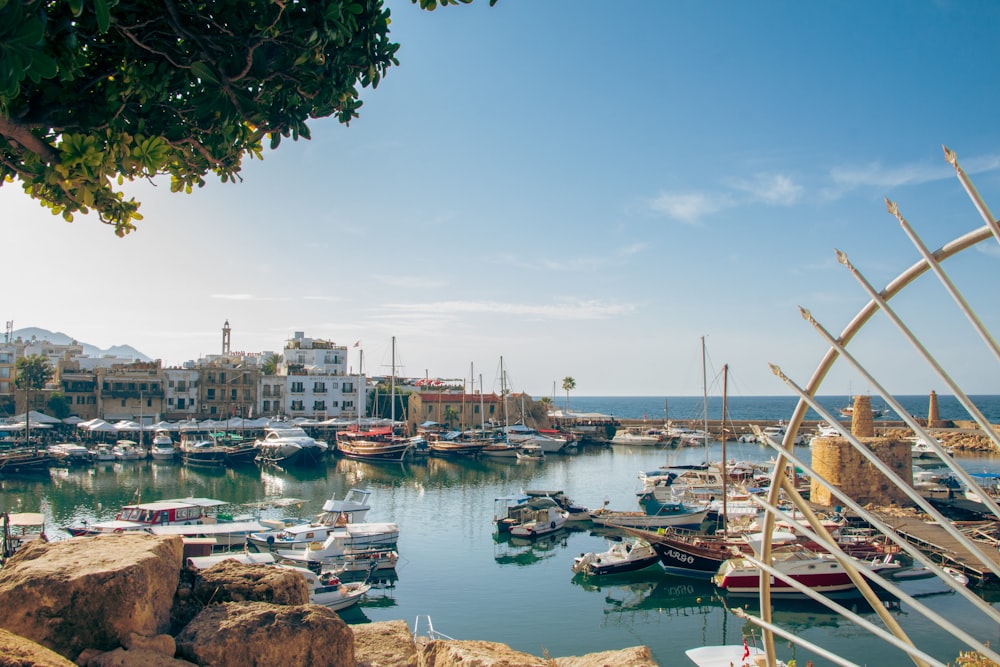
{"x": 944, "y": 549}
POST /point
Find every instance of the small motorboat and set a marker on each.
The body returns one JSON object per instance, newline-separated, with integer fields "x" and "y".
{"x": 624, "y": 556}
{"x": 329, "y": 591}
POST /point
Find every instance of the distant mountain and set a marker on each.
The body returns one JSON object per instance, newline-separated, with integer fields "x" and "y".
{"x": 59, "y": 338}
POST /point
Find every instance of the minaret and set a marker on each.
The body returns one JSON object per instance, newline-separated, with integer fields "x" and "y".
{"x": 225, "y": 337}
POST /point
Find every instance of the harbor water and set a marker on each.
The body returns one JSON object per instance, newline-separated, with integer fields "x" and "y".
{"x": 474, "y": 585}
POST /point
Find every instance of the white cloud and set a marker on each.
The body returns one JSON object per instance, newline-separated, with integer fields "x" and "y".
{"x": 689, "y": 207}
{"x": 775, "y": 189}
{"x": 577, "y": 310}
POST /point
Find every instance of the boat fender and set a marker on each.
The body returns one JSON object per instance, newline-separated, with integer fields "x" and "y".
{"x": 119, "y": 531}
{"x": 552, "y": 525}
{"x": 270, "y": 540}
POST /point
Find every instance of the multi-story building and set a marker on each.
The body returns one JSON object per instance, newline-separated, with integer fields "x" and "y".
{"x": 454, "y": 409}
{"x": 134, "y": 391}
{"x": 227, "y": 387}
{"x": 316, "y": 381}
{"x": 181, "y": 394}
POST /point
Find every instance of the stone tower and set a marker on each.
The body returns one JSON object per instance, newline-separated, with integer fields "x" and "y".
{"x": 226, "y": 331}
{"x": 862, "y": 422}
{"x": 933, "y": 416}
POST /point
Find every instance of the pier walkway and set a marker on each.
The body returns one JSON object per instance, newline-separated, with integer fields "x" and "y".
{"x": 944, "y": 549}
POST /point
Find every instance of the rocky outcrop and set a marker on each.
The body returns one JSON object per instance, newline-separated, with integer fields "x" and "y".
{"x": 124, "y": 601}
{"x": 258, "y": 633}
{"x": 90, "y": 592}
{"x": 17, "y": 651}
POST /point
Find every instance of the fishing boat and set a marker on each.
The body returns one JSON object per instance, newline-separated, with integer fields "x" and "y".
{"x": 200, "y": 450}
{"x": 128, "y": 450}
{"x": 536, "y": 517}
{"x": 629, "y": 437}
{"x": 455, "y": 443}
{"x": 530, "y": 452}
{"x": 666, "y": 514}
{"x": 622, "y": 556}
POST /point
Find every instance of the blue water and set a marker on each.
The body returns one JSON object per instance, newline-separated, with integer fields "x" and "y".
{"x": 474, "y": 586}
{"x": 761, "y": 407}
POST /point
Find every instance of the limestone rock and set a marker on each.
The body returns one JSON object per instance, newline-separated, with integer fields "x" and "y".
{"x": 163, "y": 644}
{"x": 90, "y": 592}
{"x": 384, "y": 644}
{"x": 257, "y": 633}
{"x": 231, "y": 581}
{"x": 476, "y": 654}
{"x": 20, "y": 652}
{"x": 634, "y": 656}
{"x": 137, "y": 657}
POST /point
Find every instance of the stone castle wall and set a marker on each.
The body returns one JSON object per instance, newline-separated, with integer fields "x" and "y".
{"x": 838, "y": 462}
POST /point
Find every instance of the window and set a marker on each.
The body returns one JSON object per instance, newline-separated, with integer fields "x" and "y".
{"x": 297, "y": 405}
{"x": 123, "y": 402}
{"x": 180, "y": 403}
{"x": 267, "y": 406}
{"x": 170, "y": 401}
{"x": 319, "y": 406}
{"x": 319, "y": 387}
{"x": 297, "y": 388}
{"x": 348, "y": 387}
{"x": 211, "y": 394}
{"x": 232, "y": 395}
{"x": 222, "y": 378}
{"x": 212, "y": 410}
{"x": 149, "y": 402}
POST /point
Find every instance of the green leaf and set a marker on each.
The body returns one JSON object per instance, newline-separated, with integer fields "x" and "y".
{"x": 103, "y": 11}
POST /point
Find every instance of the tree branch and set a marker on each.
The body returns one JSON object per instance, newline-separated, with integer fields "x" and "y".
{"x": 19, "y": 134}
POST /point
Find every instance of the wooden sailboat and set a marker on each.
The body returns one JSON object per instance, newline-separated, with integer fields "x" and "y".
{"x": 375, "y": 443}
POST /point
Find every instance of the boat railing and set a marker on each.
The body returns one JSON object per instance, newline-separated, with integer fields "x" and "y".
{"x": 432, "y": 634}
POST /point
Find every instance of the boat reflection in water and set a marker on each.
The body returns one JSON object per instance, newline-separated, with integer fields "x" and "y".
{"x": 521, "y": 551}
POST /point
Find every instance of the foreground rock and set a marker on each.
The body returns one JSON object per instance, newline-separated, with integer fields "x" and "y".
{"x": 258, "y": 633}
{"x": 124, "y": 601}
{"x": 90, "y": 592}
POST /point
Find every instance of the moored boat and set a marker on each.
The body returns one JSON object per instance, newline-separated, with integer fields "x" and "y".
{"x": 667, "y": 514}
{"x": 536, "y": 517}
{"x": 623, "y": 556}
{"x": 376, "y": 444}
{"x": 143, "y": 516}
{"x": 289, "y": 445}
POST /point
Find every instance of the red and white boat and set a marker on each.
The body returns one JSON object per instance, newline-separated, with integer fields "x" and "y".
{"x": 819, "y": 571}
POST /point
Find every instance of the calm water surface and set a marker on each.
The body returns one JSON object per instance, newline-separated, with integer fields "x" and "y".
{"x": 473, "y": 586}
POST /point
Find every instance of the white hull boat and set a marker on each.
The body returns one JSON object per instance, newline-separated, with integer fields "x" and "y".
{"x": 624, "y": 556}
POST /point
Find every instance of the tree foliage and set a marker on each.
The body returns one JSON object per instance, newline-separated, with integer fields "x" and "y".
{"x": 32, "y": 372}
{"x": 94, "y": 93}
{"x": 568, "y": 385}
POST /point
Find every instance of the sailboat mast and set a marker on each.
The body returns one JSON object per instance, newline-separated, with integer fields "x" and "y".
{"x": 704, "y": 398}
{"x": 503, "y": 393}
{"x": 725, "y": 470}
{"x": 361, "y": 383}
{"x": 392, "y": 388}
{"x": 482, "y": 411}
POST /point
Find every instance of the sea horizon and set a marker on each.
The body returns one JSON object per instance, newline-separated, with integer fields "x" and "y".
{"x": 765, "y": 408}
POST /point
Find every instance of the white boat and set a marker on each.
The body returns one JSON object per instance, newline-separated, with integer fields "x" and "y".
{"x": 530, "y": 452}
{"x": 625, "y": 556}
{"x": 325, "y": 588}
{"x": 357, "y": 546}
{"x": 72, "y": 453}
{"x": 103, "y": 454}
{"x": 729, "y": 655}
{"x": 143, "y": 516}
{"x": 538, "y": 516}
{"x": 819, "y": 571}
{"x": 339, "y": 528}
{"x": 627, "y": 437}
{"x": 162, "y": 448}
{"x": 128, "y": 450}
{"x": 521, "y": 435}
{"x": 921, "y": 449}
{"x": 289, "y": 445}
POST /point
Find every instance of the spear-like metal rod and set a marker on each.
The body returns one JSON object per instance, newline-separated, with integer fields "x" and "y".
{"x": 824, "y": 538}
{"x": 959, "y": 471}
{"x": 772, "y": 629}
{"x": 949, "y": 285}
{"x": 905, "y": 330}
{"x": 963, "y": 178}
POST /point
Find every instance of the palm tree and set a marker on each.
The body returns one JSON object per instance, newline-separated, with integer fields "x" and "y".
{"x": 450, "y": 415}
{"x": 568, "y": 385}
{"x": 271, "y": 363}
{"x": 32, "y": 374}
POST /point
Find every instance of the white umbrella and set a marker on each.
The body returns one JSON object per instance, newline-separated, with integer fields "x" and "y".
{"x": 125, "y": 425}
{"x": 38, "y": 418}
{"x": 72, "y": 420}
{"x": 101, "y": 427}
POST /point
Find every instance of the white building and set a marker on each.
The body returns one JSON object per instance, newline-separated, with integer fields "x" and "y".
{"x": 316, "y": 384}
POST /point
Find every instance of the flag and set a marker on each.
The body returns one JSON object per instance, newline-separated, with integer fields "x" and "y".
{"x": 746, "y": 649}
{"x": 357, "y": 343}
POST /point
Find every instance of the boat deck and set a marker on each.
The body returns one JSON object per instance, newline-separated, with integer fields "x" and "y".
{"x": 944, "y": 549}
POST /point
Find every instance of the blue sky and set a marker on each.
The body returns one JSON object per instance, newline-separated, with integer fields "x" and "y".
{"x": 585, "y": 189}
